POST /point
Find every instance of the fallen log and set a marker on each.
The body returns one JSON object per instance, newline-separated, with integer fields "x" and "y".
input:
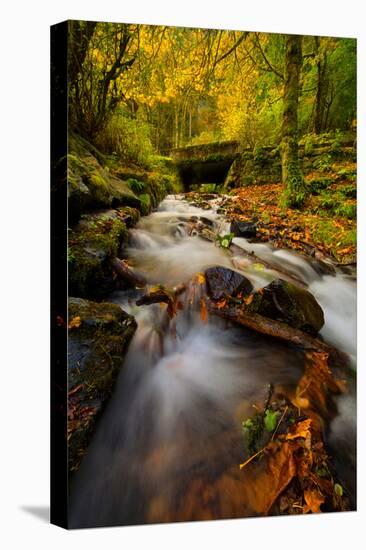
{"x": 155, "y": 297}
{"x": 277, "y": 329}
{"x": 161, "y": 295}
{"x": 127, "y": 273}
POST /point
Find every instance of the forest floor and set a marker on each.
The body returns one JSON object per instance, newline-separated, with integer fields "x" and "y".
{"x": 326, "y": 224}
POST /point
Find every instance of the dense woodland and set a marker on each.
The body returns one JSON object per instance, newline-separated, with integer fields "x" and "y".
{"x": 175, "y": 86}
{"x": 138, "y": 90}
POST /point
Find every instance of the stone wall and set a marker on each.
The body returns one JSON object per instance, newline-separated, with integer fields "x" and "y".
{"x": 263, "y": 165}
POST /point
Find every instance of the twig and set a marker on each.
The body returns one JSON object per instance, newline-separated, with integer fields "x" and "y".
{"x": 241, "y": 466}
{"x": 278, "y": 425}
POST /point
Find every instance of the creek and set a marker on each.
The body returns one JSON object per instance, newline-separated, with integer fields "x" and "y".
{"x": 168, "y": 446}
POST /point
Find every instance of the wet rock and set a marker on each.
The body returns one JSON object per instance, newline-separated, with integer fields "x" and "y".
{"x": 222, "y": 281}
{"x": 322, "y": 268}
{"x": 91, "y": 244}
{"x": 99, "y": 334}
{"x": 207, "y": 221}
{"x": 283, "y": 301}
{"x": 246, "y": 230}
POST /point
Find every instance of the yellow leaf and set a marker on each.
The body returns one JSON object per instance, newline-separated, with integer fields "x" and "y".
{"x": 75, "y": 322}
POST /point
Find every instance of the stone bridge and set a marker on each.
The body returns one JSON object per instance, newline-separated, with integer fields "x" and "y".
{"x": 229, "y": 164}
{"x": 207, "y": 163}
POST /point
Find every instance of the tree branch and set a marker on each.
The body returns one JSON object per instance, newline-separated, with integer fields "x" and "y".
{"x": 271, "y": 68}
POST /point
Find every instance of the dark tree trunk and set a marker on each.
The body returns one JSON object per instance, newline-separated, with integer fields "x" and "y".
{"x": 80, "y": 33}
{"x": 291, "y": 174}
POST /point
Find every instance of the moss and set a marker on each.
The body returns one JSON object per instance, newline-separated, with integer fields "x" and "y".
{"x": 286, "y": 302}
{"x": 145, "y": 204}
{"x": 91, "y": 243}
{"x": 90, "y": 185}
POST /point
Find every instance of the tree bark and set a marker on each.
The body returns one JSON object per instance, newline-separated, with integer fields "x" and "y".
{"x": 80, "y": 33}
{"x": 321, "y": 90}
{"x": 291, "y": 174}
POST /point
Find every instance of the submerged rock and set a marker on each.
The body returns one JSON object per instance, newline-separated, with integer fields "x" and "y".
{"x": 99, "y": 334}
{"x": 322, "y": 268}
{"x": 286, "y": 302}
{"x": 222, "y": 282}
{"x": 246, "y": 230}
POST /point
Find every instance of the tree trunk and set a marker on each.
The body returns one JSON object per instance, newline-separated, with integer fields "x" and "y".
{"x": 292, "y": 178}
{"x": 321, "y": 90}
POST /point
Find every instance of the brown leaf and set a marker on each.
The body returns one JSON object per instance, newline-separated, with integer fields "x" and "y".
{"x": 204, "y": 315}
{"x": 302, "y": 429}
{"x": 314, "y": 499}
{"x": 271, "y": 476}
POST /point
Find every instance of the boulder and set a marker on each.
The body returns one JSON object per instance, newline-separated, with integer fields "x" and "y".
{"x": 99, "y": 334}
{"x": 283, "y": 301}
{"x": 247, "y": 230}
{"x": 91, "y": 244}
{"x": 91, "y": 185}
{"x": 222, "y": 281}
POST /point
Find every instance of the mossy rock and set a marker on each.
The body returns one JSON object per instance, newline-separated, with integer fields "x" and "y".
{"x": 92, "y": 186}
{"x": 91, "y": 243}
{"x": 99, "y": 335}
{"x": 286, "y": 302}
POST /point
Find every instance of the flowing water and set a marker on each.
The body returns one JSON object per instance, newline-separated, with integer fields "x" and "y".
{"x": 169, "y": 443}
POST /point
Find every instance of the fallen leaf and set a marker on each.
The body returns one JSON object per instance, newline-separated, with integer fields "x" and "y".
{"x": 201, "y": 278}
{"x": 75, "y": 322}
{"x": 302, "y": 429}
{"x": 270, "y": 420}
{"x": 204, "y": 315}
{"x": 338, "y": 489}
{"x": 314, "y": 499}
{"x": 271, "y": 476}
